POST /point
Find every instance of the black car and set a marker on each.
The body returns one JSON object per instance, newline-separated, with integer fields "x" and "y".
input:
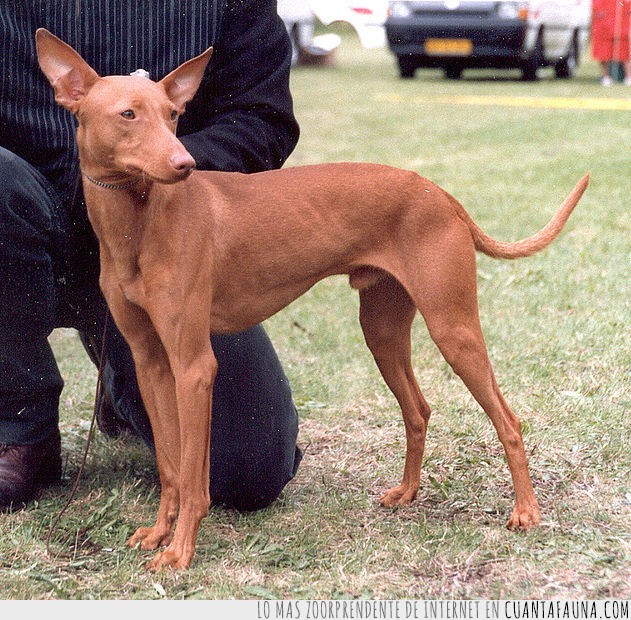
{"x": 454, "y": 35}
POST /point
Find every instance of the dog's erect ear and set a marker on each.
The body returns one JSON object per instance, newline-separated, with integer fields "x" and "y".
{"x": 70, "y": 76}
{"x": 182, "y": 83}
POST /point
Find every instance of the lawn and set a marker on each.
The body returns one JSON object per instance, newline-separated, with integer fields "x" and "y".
{"x": 557, "y": 328}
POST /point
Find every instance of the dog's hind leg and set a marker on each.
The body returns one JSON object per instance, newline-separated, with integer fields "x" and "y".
{"x": 386, "y": 315}
{"x": 449, "y": 305}
{"x": 464, "y": 350}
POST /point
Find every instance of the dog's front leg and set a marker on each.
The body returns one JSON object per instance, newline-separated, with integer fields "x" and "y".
{"x": 157, "y": 388}
{"x": 194, "y": 368}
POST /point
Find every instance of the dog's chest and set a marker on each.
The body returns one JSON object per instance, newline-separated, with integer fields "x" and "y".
{"x": 124, "y": 276}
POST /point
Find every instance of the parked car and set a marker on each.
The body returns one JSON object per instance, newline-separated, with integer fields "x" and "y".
{"x": 454, "y": 35}
{"x": 367, "y": 17}
{"x": 298, "y": 18}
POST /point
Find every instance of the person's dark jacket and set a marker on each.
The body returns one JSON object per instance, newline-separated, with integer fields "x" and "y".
{"x": 250, "y": 126}
{"x": 241, "y": 119}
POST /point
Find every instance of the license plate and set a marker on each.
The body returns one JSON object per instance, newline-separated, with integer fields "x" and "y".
{"x": 448, "y": 47}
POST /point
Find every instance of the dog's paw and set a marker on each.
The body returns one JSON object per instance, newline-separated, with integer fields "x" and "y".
{"x": 171, "y": 558}
{"x": 150, "y": 538}
{"x": 397, "y": 496}
{"x": 524, "y": 518}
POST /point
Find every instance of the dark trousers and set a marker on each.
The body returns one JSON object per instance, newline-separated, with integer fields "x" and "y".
{"x": 49, "y": 279}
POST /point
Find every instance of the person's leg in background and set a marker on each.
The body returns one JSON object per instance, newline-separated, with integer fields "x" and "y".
{"x": 31, "y": 238}
{"x": 253, "y": 451}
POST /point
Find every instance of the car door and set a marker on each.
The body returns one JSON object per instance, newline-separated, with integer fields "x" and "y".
{"x": 556, "y": 18}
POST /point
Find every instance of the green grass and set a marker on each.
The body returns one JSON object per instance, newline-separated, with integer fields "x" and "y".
{"x": 557, "y": 327}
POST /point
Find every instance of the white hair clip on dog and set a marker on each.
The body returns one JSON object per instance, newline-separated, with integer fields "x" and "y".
{"x": 141, "y": 73}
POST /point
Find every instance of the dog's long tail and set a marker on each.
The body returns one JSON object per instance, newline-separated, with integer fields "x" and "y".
{"x": 534, "y": 243}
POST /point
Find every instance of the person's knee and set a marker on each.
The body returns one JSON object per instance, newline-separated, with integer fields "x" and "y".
{"x": 248, "y": 487}
{"x": 254, "y": 423}
{"x": 254, "y": 457}
{"x": 25, "y": 203}
{"x": 8, "y": 158}
{"x": 13, "y": 171}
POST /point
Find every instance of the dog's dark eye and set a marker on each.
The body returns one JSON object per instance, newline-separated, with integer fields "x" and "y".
{"x": 128, "y": 114}
{"x": 173, "y": 115}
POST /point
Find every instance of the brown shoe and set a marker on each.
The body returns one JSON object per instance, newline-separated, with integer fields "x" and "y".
{"x": 24, "y": 469}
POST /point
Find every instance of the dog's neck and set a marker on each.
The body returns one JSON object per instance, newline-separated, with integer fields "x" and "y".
{"x": 107, "y": 185}
{"x": 118, "y": 213}
{"x": 119, "y": 199}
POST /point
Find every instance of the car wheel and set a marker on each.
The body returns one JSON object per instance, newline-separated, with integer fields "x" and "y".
{"x": 530, "y": 68}
{"x": 566, "y": 67}
{"x": 407, "y": 66}
{"x": 453, "y": 73}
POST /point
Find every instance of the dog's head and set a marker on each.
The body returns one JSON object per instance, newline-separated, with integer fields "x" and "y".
{"x": 126, "y": 123}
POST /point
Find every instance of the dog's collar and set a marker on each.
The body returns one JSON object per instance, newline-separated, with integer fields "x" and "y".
{"x": 111, "y": 185}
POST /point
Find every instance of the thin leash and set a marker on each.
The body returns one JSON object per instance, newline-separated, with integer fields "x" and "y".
{"x": 98, "y": 402}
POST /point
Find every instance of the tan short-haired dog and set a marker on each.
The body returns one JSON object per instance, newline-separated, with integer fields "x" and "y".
{"x": 187, "y": 253}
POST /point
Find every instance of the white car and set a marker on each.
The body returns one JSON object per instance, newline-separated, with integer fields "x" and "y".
{"x": 367, "y": 17}
{"x": 454, "y": 35}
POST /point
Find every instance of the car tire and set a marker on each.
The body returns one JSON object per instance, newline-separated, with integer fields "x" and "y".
{"x": 566, "y": 67}
{"x": 530, "y": 68}
{"x": 452, "y": 73}
{"x": 407, "y": 66}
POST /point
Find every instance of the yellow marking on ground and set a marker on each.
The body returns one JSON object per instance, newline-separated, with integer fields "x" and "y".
{"x": 565, "y": 103}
